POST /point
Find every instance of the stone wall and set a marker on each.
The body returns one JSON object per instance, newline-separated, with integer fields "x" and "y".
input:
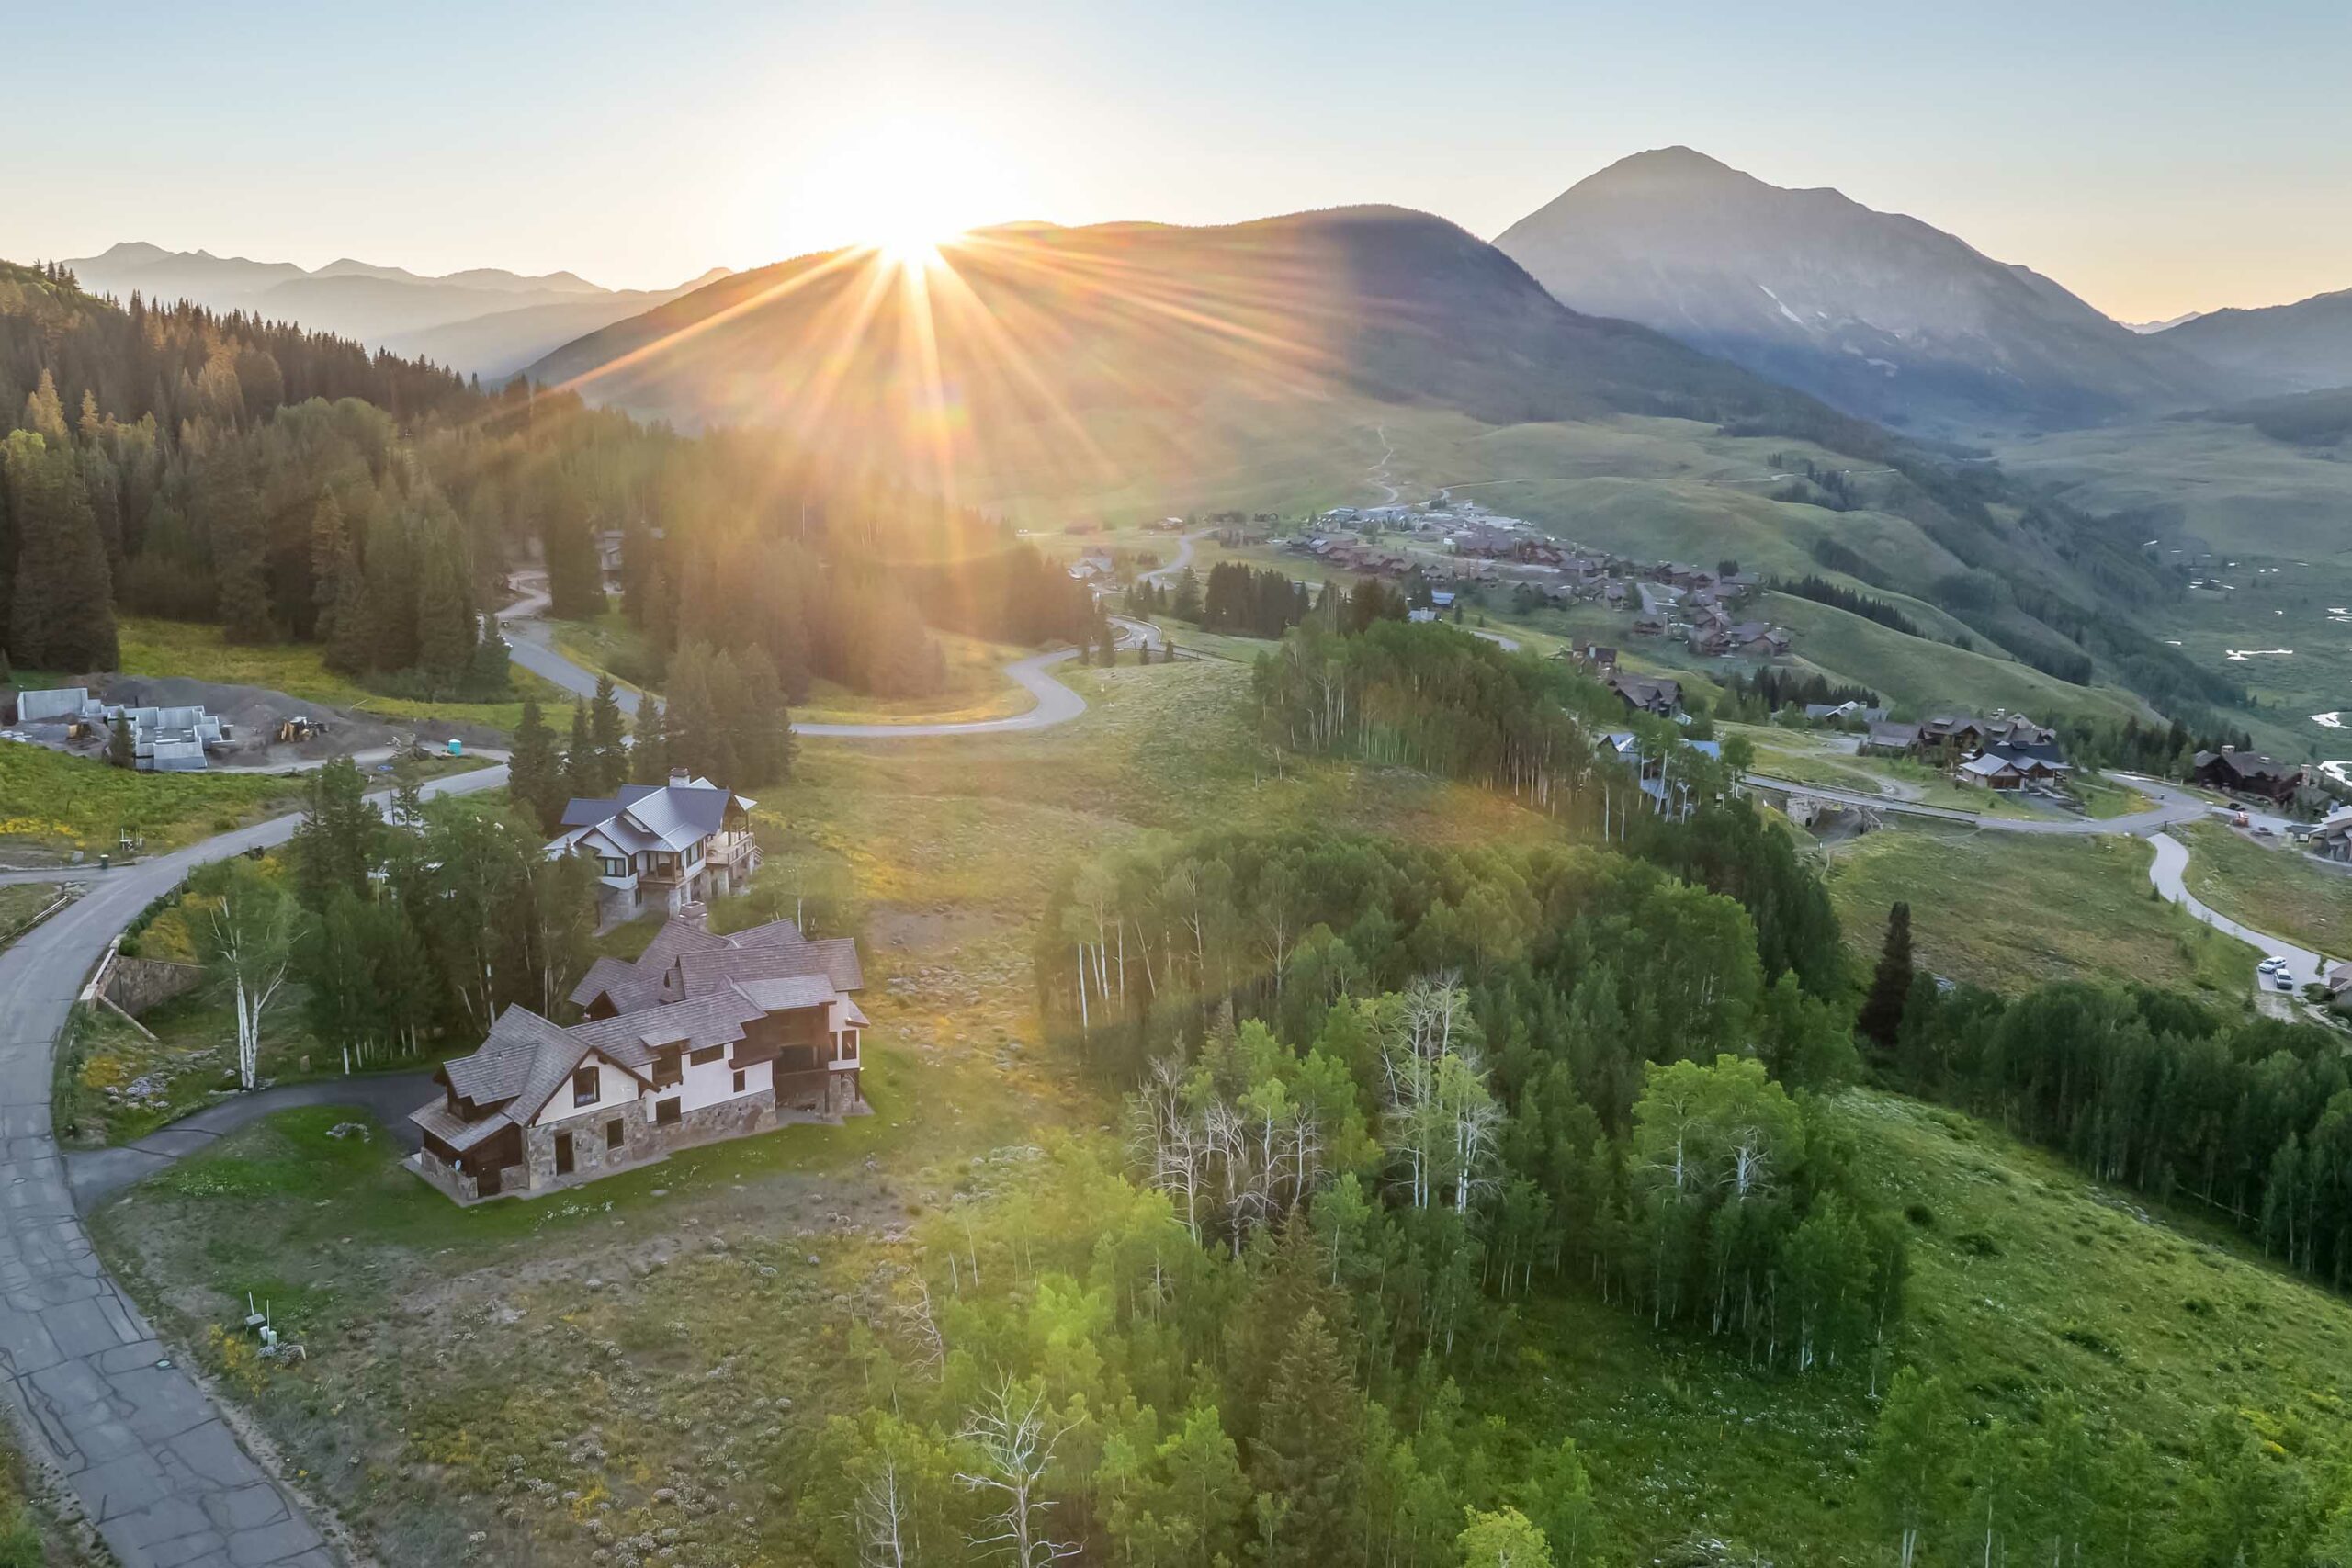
{"x": 590, "y": 1158}
{"x": 134, "y": 985}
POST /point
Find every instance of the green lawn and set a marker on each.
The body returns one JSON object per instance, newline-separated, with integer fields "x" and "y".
{"x": 2012, "y": 910}
{"x": 2274, "y": 890}
{"x": 21, "y": 903}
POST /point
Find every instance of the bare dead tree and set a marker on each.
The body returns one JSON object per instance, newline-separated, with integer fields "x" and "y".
{"x": 1010, "y": 1432}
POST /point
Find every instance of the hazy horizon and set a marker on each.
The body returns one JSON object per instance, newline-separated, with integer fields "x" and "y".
{"x": 2149, "y": 162}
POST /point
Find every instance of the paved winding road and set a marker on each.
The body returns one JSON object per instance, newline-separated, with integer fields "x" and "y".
{"x": 2173, "y": 807}
{"x": 533, "y": 642}
{"x": 2167, "y": 874}
{"x": 156, "y": 1468}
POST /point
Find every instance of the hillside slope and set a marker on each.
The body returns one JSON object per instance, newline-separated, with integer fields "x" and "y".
{"x": 1034, "y": 346}
{"x": 2303, "y": 347}
{"x": 1880, "y": 314}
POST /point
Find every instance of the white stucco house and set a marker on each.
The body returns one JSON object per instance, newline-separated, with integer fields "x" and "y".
{"x": 664, "y": 845}
{"x": 701, "y": 1038}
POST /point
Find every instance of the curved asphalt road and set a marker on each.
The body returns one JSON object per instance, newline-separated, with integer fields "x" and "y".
{"x": 157, "y": 1470}
{"x": 533, "y": 643}
{"x": 2166, "y": 873}
{"x": 2173, "y": 806}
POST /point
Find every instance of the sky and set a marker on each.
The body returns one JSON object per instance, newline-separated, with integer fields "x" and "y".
{"x": 2154, "y": 157}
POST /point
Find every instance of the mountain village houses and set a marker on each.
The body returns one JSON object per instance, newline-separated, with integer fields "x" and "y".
{"x": 701, "y": 1038}
{"x": 665, "y": 845}
{"x": 2005, "y": 753}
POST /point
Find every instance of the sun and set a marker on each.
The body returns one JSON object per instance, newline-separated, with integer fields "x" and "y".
{"x": 903, "y": 187}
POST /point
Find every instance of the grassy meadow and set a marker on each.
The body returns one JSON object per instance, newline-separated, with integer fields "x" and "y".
{"x": 2012, "y": 910}
{"x": 298, "y": 669}
{"x": 2270, "y": 887}
{"x": 52, "y": 802}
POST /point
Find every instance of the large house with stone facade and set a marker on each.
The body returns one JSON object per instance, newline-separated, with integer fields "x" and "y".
{"x": 701, "y": 1038}
{"x": 670, "y": 845}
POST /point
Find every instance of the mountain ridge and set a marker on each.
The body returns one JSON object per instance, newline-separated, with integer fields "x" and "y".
{"x": 1880, "y": 314}
{"x": 455, "y": 317}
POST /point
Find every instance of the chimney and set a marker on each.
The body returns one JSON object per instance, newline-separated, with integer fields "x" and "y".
{"x": 2228, "y": 749}
{"x": 679, "y": 778}
{"x": 695, "y": 914}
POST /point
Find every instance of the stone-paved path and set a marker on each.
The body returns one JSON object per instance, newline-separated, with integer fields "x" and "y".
{"x": 157, "y": 1470}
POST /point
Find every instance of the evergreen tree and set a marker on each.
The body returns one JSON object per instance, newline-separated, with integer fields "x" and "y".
{"x": 337, "y": 843}
{"x": 534, "y": 774}
{"x": 446, "y": 621}
{"x": 582, "y": 772}
{"x": 1187, "y": 605}
{"x": 330, "y": 548}
{"x": 648, "y": 753}
{"x": 61, "y": 615}
{"x": 1308, "y": 1458}
{"x": 1881, "y": 1020}
{"x": 227, "y": 519}
{"x": 122, "y": 750}
{"x": 347, "y": 623}
{"x": 608, "y": 736}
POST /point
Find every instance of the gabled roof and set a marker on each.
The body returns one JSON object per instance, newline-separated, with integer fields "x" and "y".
{"x": 1989, "y": 765}
{"x": 835, "y": 958}
{"x": 677, "y": 935}
{"x": 626, "y": 985}
{"x": 632, "y": 1038}
{"x": 671, "y": 815}
{"x": 501, "y": 1067}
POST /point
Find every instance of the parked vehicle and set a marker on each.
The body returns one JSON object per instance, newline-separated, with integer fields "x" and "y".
{"x": 2283, "y": 979}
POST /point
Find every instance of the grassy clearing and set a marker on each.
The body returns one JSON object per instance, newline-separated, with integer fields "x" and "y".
{"x": 2274, "y": 890}
{"x": 51, "y": 802}
{"x": 298, "y": 669}
{"x": 2012, "y": 910}
{"x": 975, "y": 688}
{"x": 2025, "y": 1279}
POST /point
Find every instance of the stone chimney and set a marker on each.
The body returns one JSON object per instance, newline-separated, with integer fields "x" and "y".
{"x": 695, "y": 914}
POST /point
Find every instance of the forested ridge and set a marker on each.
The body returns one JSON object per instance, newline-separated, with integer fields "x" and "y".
{"x": 288, "y": 487}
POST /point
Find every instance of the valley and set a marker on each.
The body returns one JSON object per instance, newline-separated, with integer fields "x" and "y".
{"x": 1258, "y": 807}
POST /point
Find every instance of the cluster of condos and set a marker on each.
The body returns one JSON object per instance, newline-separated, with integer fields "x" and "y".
{"x": 701, "y": 1037}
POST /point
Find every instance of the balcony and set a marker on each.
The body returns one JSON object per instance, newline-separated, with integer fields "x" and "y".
{"x": 729, "y": 848}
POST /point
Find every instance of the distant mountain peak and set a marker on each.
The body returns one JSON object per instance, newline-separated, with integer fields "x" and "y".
{"x": 1876, "y": 313}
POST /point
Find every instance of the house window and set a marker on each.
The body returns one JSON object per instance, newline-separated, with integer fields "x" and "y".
{"x": 616, "y": 866}
{"x": 669, "y": 1069}
{"x": 694, "y": 852}
{"x": 585, "y": 1086}
{"x": 708, "y": 1055}
{"x": 614, "y": 1133}
{"x": 665, "y": 1113}
{"x": 738, "y": 1080}
{"x": 849, "y": 1044}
